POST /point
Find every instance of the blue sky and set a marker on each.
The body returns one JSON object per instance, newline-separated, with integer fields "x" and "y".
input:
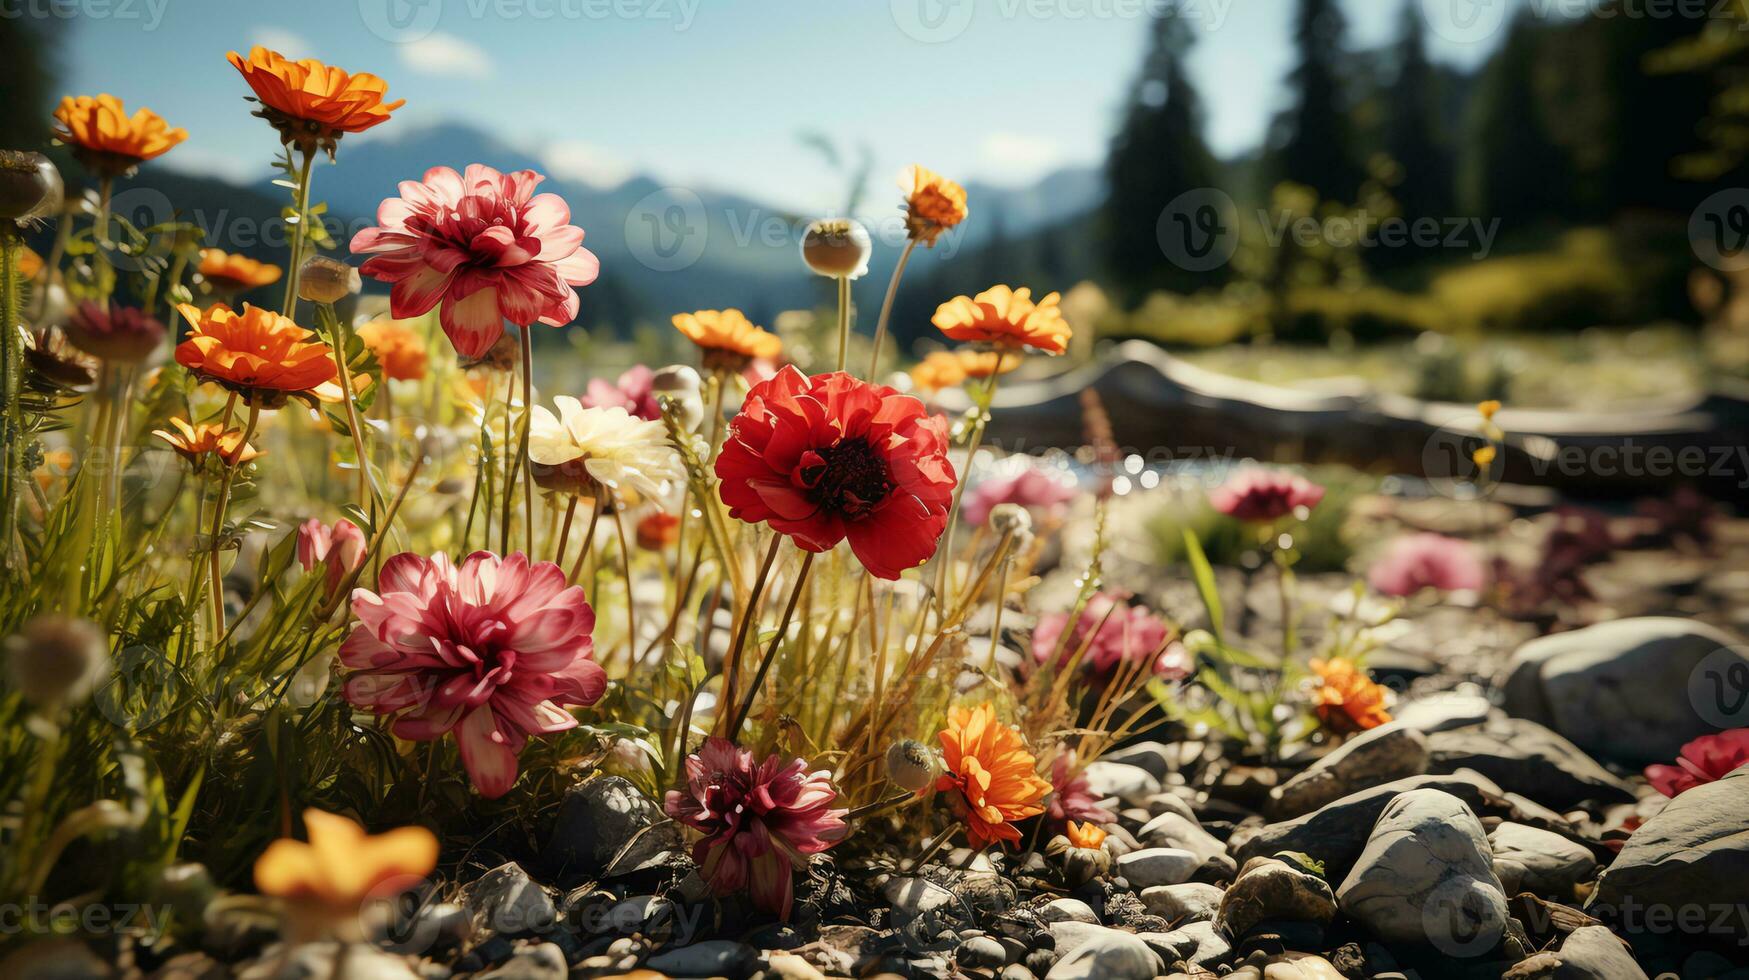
{"x": 715, "y": 92}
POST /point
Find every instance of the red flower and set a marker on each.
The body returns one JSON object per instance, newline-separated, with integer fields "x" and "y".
{"x": 483, "y": 243}
{"x": 1427, "y": 561}
{"x": 1257, "y": 494}
{"x": 1072, "y": 794}
{"x": 1703, "y": 760}
{"x": 830, "y": 457}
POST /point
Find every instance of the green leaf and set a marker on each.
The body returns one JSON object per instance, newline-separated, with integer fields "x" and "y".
{"x": 1205, "y": 582}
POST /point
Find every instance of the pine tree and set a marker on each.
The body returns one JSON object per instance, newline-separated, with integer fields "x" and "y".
{"x": 1313, "y": 144}
{"x": 1412, "y": 137}
{"x": 1513, "y": 169}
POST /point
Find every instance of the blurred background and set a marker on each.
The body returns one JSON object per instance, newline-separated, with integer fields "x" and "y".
{"x": 1533, "y": 200}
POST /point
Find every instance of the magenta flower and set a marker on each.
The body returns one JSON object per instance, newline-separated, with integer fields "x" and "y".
{"x": 634, "y": 392}
{"x": 758, "y": 820}
{"x": 1031, "y": 488}
{"x": 1427, "y": 561}
{"x": 486, "y": 246}
{"x": 492, "y": 650}
{"x": 339, "y": 549}
{"x": 123, "y": 334}
{"x": 1071, "y": 798}
{"x": 1707, "y": 758}
{"x": 1258, "y": 494}
{"x": 1128, "y": 633}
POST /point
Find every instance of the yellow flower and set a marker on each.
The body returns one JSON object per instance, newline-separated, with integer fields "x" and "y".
{"x": 993, "y": 774}
{"x": 1007, "y": 318}
{"x": 109, "y": 141}
{"x": 341, "y": 867}
{"x": 728, "y": 339}
{"x": 933, "y": 203}
{"x": 1488, "y": 408}
{"x": 1483, "y": 457}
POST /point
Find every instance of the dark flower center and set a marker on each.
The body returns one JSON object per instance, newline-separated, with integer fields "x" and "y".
{"x": 847, "y": 478}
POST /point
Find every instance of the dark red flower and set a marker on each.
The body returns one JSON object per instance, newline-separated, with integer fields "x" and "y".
{"x": 115, "y": 333}
{"x": 1258, "y": 494}
{"x": 1707, "y": 758}
{"x": 830, "y": 457}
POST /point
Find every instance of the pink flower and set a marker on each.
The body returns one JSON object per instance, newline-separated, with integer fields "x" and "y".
{"x": 634, "y": 392}
{"x": 1031, "y": 488}
{"x": 486, "y": 246}
{"x": 492, "y": 650}
{"x": 758, "y": 820}
{"x": 1258, "y": 494}
{"x": 1703, "y": 760}
{"x": 339, "y": 549}
{"x": 1071, "y": 796}
{"x": 1427, "y": 561}
{"x": 1129, "y": 633}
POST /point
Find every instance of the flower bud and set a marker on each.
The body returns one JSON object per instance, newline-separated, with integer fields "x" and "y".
{"x": 837, "y": 247}
{"x": 326, "y": 280}
{"x": 1010, "y": 519}
{"x": 911, "y": 765}
{"x": 55, "y": 659}
{"x": 30, "y": 186}
{"x": 679, "y": 385}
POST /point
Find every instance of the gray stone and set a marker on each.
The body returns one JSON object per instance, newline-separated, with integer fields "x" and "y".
{"x": 912, "y": 897}
{"x": 981, "y": 951}
{"x": 53, "y": 959}
{"x": 1067, "y": 910}
{"x": 1193, "y": 901}
{"x": 1541, "y": 861}
{"x": 541, "y": 961}
{"x": 1626, "y": 690}
{"x": 1288, "y": 966}
{"x": 600, "y": 819}
{"x": 1157, "y": 866}
{"x": 1156, "y": 757}
{"x": 1199, "y": 943}
{"x": 1131, "y": 784}
{"x": 1525, "y": 757}
{"x": 1441, "y": 712}
{"x": 1168, "y": 802}
{"x": 1172, "y": 829}
{"x": 1426, "y": 876}
{"x": 1380, "y": 755}
{"x": 1104, "y": 954}
{"x": 508, "y": 902}
{"x": 1594, "y": 953}
{"x": 1272, "y": 889}
{"x": 710, "y": 958}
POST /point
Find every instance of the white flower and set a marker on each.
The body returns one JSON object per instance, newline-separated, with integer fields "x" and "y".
{"x": 608, "y": 445}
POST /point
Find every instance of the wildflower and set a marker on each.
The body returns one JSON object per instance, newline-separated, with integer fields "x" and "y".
{"x": 1426, "y": 561}
{"x": 400, "y": 351}
{"x": 1072, "y": 795}
{"x": 938, "y": 370}
{"x": 759, "y": 820}
{"x": 1128, "y": 633}
{"x": 1007, "y": 318}
{"x": 118, "y": 334}
{"x": 326, "y": 280}
{"x": 582, "y": 447}
{"x": 30, "y": 187}
{"x": 485, "y": 245}
{"x": 54, "y": 660}
{"x": 259, "y": 354}
{"x": 1707, "y": 758}
{"x": 492, "y": 650}
{"x": 107, "y": 140}
{"x": 1345, "y": 699}
{"x": 728, "y": 340}
{"x": 837, "y": 247}
{"x": 679, "y": 386}
{"x": 339, "y": 550}
{"x": 310, "y": 103}
{"x": 1032, "y": 488}
{"x": 1488, "y": 408}
{"x": 1011, "y": 519}
{"x": 1483, "y": 456}
{"x": 1262, "y": 495}
{"x": 230, "y": 274}
{"x": 195, "y": 442}
{"x": 658, "y": 531}
{"x": 51, "y": 358}
{"x": 328, "y": 880}
{"x": 29, "y": 263}
{"x": 933, "y": 203}
{"x": 911, "y": 765}
{"x": 830, "y": 457}
{"x": 991, "y": 773}
{"x": 634, "y": 392}
{"x": 1081, "y": 848}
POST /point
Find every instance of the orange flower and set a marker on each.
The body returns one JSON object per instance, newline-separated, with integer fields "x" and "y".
{"x": 1488, "y": 408}
{"x": 994, "y": 774}
{"x": 933, "y": 203}
{"x": 658, "y": 531}
{"x": 1007, "y": 318}
{"x": 194, "y": 442}
{"x": 259, "y": 354}
{"x": 399, "y": 350}
{"x": 341, "y": 868}
{"x": 940, "y": 369}
{"x": 1345, "y": 699}
{"x": 986, "y": 363}
{"x": 29, "y": 263}
{"x": 1088, "y": 835}
{"x": 109, "y": 141}
{"x": 231, "y": 274}
{"x": 729, "y": 340}
{"x": 312, "y": 104}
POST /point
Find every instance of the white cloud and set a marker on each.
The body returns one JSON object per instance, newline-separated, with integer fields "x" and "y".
{"x": 289, "y": 43}
{"x": 577, "y": 160}
{"x": 446, "y": 54}
{"x": 196, "y": 161}
{"x": 1017, "y": 158}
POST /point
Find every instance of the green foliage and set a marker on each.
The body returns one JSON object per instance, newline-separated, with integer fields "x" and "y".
{"x": 1322, "y": 541}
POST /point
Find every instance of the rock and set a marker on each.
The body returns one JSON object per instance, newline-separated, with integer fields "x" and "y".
{"x": 541, "y": 961}
{"x": 1168, "y": 802}
{"x": 981, "y": 951}
{"x": 1628, "y": 690}
{"x": 1156, "y": 757}
{"x": 1157, "y": 866}
{"x": 1289, "y": 966}
{"x": 315, "y": 961}
{"x": 985, "y": 891}
{"x": 1105, "y": 954}
{"x": 1199, "y": 943}
{"x": 1533, "y": 860}
{"x": 507, "y": 902}
{"x": 651, "y": 915}
{"x": 1594, "y": 953}
{"x": 53, "y": 959}
{"x": 710, "y": 958}
{"x": 1193, "y": 901}
{"x": 1131, "y": 784}
{"x": 1426, "y": 876}
{"x": 1067, "y": 910}
{"x": 1272, "y": 889}
{"x": 1014, "y": 971}
{"x": 1172, "y": 829}
{"x": 1692, "y": 855}
{"x": 1377, "y": 756}
{"x": 912, "y": 897}
{"x": 789, "y": 966}
{"x": 600, "y": 818}
{"x": 1444, "y": 711}
{"x": 1524, "y": 757}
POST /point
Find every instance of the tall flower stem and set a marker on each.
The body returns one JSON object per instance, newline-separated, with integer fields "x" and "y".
{"x": 527, "y": 336}
{"x": 880, "y": 334}
{"x": 11, "y": 385}
{"x": 301, "y": 201}
{"x": 367, "y": 484}
{"x": 732, "y": 662}
{"x": 945, "y": 554}
{"x": 789, "y": 610}
{"x": 218, "y": 584}
{"x": 625, "y": 560}
{"x": 565, "y": 532}
{"x": 588, "y": 540}
{"x": 843, "y": 320}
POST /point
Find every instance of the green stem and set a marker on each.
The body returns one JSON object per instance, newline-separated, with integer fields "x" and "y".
{"x": 367, "y": 484}
{"x": 301, "y": 201}
{"x": 11, "y": 385}
{"x": 789, "y": 609}
{"x": 218, "y": 584}
{"x": 945, "y": 554}
{"x": 874, "y": 360}
{"x": 843, "y": 320}
{"x": 527, "y": 336}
